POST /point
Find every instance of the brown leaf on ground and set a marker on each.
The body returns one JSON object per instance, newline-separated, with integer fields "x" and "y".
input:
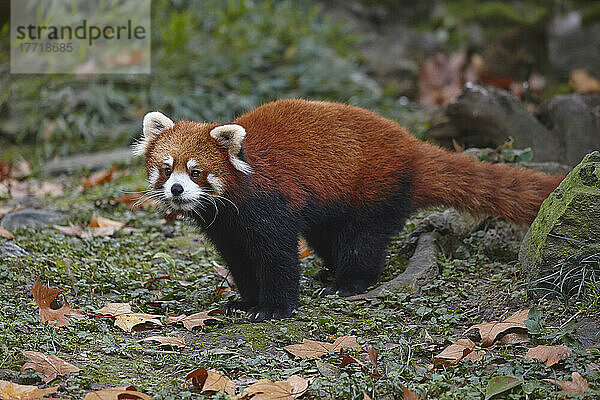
{"x": 224, "y": 273}
{"x": 457, "y": 147}
{"x": 211, "y": 381}
{"x": 313, "y": 348}
{"x": 266, "y": 389}
{"x": 114, "y": 309}
{"x": 19, "y": 190}
{"x": 197, "y": 319}
{"x": 462, "y": 348}
{"x": 172, "y": 341}
{"x": 98, "y": 227}
{"x": 44, "y": 296}
{"x": 136, "y": 201}
{"x": 548, "y": 354}
{"x": 367, "y": 397}
{"x": 582, "y": 81}
{"x": 440, "y": 78}
{"x": 5, "y": 233}
{"x": 303, "y": 249}
{"x": 409, "y": 394}
{"x": 515, "y": 338}
{"x": 100, "y": 177}
{"x": 13, "y": 391}
{"x": 117, "y": 393}
{"x": 158, "y": 278}
{"x": 128, "y": 321}
{"x": 99, "y": 222}
{"x": 49, "y": 366}
{"x": 577, "y": 384}
{"x": 490, "y": 330}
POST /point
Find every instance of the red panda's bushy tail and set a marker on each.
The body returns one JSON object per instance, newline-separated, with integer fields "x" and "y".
{"x": 480, "y": 188}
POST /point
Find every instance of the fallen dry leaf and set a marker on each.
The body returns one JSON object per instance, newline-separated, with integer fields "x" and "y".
{"x": 99, "y": 222}
{"x": 173, "y": 341}
{"x": 440, "y": 78}
{"x": 117, "y": 393}
{"x": 49, "y": 366}
{"x": 98, "y": 227}
{"x": 44, "y": 296}
{"x": 19, "y": 190}
{"x": 136, "y": 201}
{"x": 100, "y": 177}
{"x": 224, "y": 273}
{"x": 211, "y": 381}
{"x": 577, "y": 384}
{"x": 13, "y": 391}
{"x": 303, "y": 249}
{"x": 515, "y": 338}
{"x": 114, "y": 309}
{"x": 151, "y": 281}
{"x": 194, "y": 320}
{"x": 409, "y": 394}
{"x": 490, "y": 330}
{"x": 128, "y": 321}
{"x": 266, "y": 389}
{"x": 549, "y": 354}
{"x": 582, "y": 81}
{"x": 5, "y": 233}
{"x": 462, "y": 348}
{"x": 313, "y": 348}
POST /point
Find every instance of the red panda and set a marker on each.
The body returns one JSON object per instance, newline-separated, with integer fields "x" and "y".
{"x": 343, "y": 177}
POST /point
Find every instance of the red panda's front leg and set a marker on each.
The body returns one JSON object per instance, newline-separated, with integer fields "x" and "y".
{"x": 259, "y": 243}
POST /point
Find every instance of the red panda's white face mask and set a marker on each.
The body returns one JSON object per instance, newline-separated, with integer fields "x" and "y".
{"x": 189, "y": 163}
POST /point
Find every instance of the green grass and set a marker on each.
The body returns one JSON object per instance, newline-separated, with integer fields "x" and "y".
{"x": 406, "y": 329}
{"x": 211, "y": 60}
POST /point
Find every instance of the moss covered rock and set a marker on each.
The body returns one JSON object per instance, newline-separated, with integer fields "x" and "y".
{"x": 568, "y": 224}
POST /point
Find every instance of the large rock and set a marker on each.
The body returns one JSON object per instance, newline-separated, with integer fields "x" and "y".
{"x": 567, "y": 227}
{"x": 575, "y": 120}
{"x": 30, "y": 218}
{"x": 487, "y": 117}
{"x": 91, "y": 161}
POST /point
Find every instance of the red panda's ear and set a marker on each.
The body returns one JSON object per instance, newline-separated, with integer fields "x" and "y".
{"x": 231, "y": 136}
{"x": 154, "y": 123}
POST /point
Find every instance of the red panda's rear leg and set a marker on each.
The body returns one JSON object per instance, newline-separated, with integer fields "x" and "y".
{"x": 360, "y": 260}
{"x": 359, "y": 245}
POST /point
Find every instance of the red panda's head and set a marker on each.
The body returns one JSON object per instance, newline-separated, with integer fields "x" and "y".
{"x": 188, "y": 163}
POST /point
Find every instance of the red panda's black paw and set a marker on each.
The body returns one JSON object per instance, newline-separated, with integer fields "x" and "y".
{"x": 265, "y": 313}
{"x": 234, "y": 305}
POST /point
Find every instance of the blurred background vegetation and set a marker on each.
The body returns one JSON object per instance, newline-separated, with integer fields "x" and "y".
{"x": 215, "y": 59}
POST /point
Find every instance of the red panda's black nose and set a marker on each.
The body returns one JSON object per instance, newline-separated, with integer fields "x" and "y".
{"x": 176, "y": 189}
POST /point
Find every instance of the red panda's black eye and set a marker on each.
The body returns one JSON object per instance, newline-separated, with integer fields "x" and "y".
{"x": 167, "y": 171}
{"x": 195, "y": 174}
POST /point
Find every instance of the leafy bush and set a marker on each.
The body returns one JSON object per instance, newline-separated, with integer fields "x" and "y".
{"x": 211, "y": 60}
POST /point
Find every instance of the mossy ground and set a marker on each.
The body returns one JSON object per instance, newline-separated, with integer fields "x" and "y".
{"x": 406, "y": 329}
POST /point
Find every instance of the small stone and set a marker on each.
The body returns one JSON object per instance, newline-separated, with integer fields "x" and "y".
{"x": 30, "y": 218}
{"x": 8, "y": 249}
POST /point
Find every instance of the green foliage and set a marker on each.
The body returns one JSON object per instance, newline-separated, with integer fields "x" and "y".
{"x": 521, "y": 13}
{"x": 211, "y": 60}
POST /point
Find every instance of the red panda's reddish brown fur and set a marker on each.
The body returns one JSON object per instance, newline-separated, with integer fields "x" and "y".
{"x": 343, "y": 177}
{"x": 344, "y": 153}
